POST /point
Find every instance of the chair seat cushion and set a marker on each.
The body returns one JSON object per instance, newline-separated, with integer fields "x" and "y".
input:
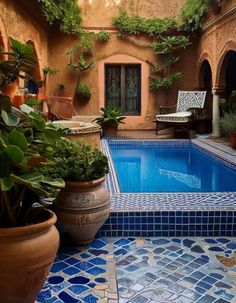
{"x": 179, "y": 117}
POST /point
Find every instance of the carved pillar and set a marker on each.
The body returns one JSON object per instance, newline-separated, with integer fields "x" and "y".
{"x": 216, "y": 113}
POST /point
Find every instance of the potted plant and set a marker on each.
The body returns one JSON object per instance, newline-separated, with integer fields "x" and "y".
{"x": 228, "y": 125}
{"x": 110, "y": 119}
{"x": 83, "y": 91}
{"x": 28, "y": 238}
{"x": 83, "y": 205}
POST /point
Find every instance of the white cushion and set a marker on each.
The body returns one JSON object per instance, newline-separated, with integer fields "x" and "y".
{"x": 175, "y": 117}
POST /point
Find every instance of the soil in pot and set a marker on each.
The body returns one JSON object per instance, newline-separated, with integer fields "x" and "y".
{"x": 26, "y": 255}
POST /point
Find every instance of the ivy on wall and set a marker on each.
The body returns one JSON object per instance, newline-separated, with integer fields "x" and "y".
{"x": 166, "y": 39}
{"x": 67, "y": 12}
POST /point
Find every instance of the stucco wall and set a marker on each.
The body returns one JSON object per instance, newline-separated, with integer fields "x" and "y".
{"x": 18, "y": 24}
{"x": 217, "y": 38}
{"x": 98, "y": 14}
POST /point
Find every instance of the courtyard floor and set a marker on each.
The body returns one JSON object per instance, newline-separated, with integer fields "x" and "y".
{"x": 144, "y": 270}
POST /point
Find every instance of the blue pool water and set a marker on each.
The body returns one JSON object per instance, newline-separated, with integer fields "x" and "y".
{"x": 170, "y": 169}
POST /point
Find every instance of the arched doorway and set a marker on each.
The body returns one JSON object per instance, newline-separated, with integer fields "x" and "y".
{"x": 227, "y": 78}
{"x": 206, "y": 84}
{"x": 32, "y": 84}
{"x": 203, "y": 124}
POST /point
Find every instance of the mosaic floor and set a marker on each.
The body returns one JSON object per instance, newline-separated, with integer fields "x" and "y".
{"x": 148, "y": 270}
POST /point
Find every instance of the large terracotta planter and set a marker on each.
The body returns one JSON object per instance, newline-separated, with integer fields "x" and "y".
{"x": 26, "y": 255}
{"x": 109, "y": 130}
{"x": 82, "y": 208}
{"x": 233, "y": 140}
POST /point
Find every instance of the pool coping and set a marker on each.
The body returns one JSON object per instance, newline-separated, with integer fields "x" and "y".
{"x": 146, "y": 202}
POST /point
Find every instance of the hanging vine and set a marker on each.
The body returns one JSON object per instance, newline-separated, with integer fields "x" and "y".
{"x": 164, "y": 43}
{"x": 66, "y": 12}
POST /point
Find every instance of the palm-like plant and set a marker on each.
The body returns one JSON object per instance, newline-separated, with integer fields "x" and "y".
{"x": 110, "y": 115}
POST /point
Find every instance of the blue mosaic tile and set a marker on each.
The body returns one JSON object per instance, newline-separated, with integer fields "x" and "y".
{"x": 78, "y": 289}
{"x": 79, "y": 280}
{"x": 55, "y": 279}
{"x": 90, "y": 299}
{"x": 58, "y": 266}
{"x": 95, "y": 271}
{"x": 66, "y": 298}
{"x": 71, "y": 270}
{"x": 83, "y": 265}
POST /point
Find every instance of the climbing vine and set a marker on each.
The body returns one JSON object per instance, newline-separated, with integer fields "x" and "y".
{"x": 166, "y": 39}
{"x": 67, "y": 12}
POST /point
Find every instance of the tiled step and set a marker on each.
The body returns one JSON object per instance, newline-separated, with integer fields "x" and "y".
{"x": 169, "y": 224}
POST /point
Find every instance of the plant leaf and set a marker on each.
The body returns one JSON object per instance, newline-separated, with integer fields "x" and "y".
{"x": 9, "y": 118}
{"x": 6, "y": 183}
{"x": 17, "y": 138}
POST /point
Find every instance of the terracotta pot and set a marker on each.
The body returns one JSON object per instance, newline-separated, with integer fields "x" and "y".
{"x": 110, "y": 130}
{"x": 82, "y": 208}
{"x": 233, "y": 140}
{"x": 26, "y": 255}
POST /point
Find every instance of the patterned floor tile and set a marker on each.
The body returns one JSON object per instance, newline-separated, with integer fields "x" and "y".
{"x": 148, "y": 270}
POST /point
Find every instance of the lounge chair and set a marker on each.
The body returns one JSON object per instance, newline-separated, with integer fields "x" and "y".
{"x": 182, "y": 114}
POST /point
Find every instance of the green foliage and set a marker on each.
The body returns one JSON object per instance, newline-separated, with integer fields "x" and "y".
{"x": 136, "y": 25}
{"x": 80, "y": 54}
{"x": 230, "y": 105}
{"x": 164, "y": 43}
{"x": 23, "y": 136}
{"x": 228, "y": 123}
{"x": 67, "y": 12}
{"x": 192, "y": 14}
{"x": 110, "y": 115}
{"x": 49, "y": 71}
{"x": 103, "y": 35}
{"x": 169, "y": 44}
{"x": 75, "y": 162}
{"x": 165, "y": 82}
{"x": 21, "y": 59}
{"x": 83, "y": 90}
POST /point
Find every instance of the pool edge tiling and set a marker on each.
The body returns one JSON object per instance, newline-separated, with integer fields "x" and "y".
{"x": 170, "y": 214}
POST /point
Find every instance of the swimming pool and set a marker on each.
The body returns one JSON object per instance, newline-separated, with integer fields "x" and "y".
{"x": 167, "y": 214}
{"x": 149, "y": 168}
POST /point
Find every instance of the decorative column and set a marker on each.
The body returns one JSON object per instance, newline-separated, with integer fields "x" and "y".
{"x": 215, "y": 113}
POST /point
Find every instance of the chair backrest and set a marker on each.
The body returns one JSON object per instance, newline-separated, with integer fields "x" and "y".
{"x": 61, "y": 107}
{"x": 190, "y": 99}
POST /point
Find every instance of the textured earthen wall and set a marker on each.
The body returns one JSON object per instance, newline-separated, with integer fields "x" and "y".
{"x": 98, "y": 14}
{"x": 217, "y": 38}
{"x": 18, "y": 24}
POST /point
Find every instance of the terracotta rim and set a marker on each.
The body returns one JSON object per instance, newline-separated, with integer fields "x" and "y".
{"x": 85, "y": 184}
{"x": 29, "y": 229}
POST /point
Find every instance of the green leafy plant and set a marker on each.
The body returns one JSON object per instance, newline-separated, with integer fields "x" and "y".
{"x": 83, "y": 91}
{"x": 110, "y": 115}
{"x": 136, "y": 25}
{"x": 166, "y": 40}
{"x": 192, "y": 15}
{"x": 21, "y": 62}
{"x": 80, "y": 57}
{"x": 228, "y": 123}
{"x": 67, "y": 12}
{"x": 75, "y": 162}
{"x": 23, "y": 137}
{"x": 103, "y": 35}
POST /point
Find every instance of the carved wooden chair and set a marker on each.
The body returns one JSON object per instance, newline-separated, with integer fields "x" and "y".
{"x": 189, "y": 104}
